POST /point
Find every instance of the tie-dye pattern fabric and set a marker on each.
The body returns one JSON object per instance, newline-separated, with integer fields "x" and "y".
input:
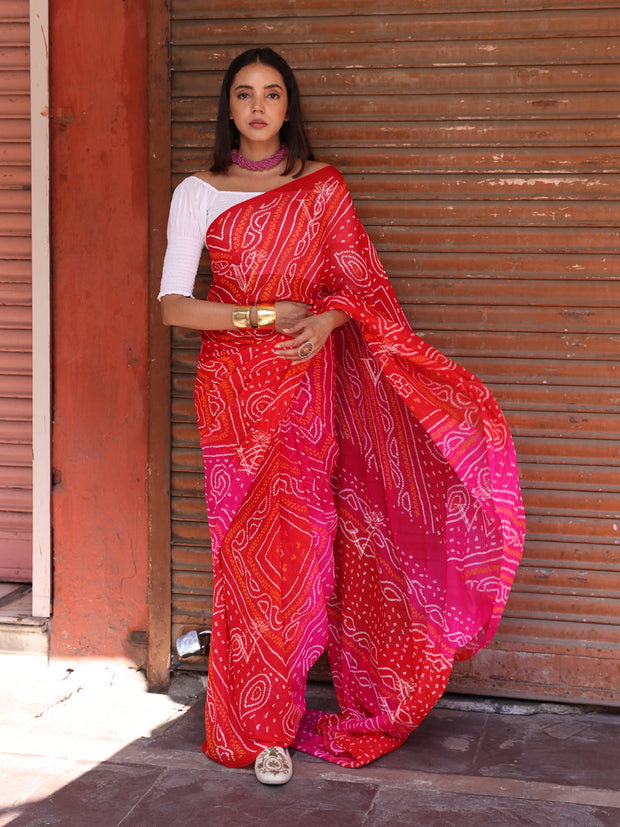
{"x": 366, "y": 500}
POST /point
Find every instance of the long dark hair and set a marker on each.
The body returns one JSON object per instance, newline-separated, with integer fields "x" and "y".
{"x": 292, "y": 132}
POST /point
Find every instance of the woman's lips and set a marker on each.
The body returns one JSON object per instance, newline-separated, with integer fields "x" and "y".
{"x": 258, "y": 124}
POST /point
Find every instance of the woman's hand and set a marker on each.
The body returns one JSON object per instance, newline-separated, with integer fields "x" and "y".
{"x": 289, "y": 313}
{"x": 309, "y": 335}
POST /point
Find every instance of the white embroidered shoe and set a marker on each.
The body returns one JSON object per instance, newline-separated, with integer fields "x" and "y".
{"x": 273, "y": 766}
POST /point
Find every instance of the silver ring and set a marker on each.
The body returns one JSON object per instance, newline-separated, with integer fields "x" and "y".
{"x": 305, "y": 350}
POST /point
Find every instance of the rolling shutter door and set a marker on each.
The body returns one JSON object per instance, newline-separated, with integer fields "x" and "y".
{"x": 15, "y": 295}
{"x": 480, "y": 142}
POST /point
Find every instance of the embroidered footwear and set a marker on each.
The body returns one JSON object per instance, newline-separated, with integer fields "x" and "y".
{"x": 273, "y": 766}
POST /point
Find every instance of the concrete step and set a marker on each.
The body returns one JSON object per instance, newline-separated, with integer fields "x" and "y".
{"x": 20, "y": 633}
{"x": 26, "y": 635}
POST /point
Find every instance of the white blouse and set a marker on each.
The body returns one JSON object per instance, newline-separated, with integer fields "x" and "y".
{"x": 195, "y": 204}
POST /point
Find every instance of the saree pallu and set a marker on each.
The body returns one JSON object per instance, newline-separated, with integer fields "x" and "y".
{"x": 366, "y": 500}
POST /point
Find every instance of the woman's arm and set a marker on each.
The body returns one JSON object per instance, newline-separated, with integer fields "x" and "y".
{"x": 198, "y": 314}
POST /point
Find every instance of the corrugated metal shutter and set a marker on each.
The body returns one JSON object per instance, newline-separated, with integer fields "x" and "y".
{"x": 480, "y": 141}
{"x": 15, "y": 295}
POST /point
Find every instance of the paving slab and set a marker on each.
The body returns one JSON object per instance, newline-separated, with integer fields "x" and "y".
{"x": 194, "y": 799}
{"x": 554, "y": 749}
{"x": 101, "y": 797}
{"x": 86, "y": 745}
{"x": 429, "y": 809}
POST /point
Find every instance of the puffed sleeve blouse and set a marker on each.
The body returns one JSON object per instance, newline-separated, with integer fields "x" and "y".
{"x": 195, "y": 204}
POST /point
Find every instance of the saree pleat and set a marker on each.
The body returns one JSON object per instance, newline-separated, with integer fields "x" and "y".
{"x": 366, "y": 500}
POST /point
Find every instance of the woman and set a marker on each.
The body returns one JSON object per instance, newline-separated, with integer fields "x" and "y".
{"x": 361, "y": 488}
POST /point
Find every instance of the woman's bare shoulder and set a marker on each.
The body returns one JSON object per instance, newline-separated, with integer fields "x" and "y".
{"x": 314, "y": 166}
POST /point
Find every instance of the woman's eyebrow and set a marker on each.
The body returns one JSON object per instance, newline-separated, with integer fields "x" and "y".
{"x": 248, "y": 86}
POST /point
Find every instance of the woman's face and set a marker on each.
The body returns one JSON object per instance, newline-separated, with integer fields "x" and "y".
{"x": 258, "y": 105}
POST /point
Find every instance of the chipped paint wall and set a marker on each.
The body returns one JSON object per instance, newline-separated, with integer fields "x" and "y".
{"x": 99, "y": 310}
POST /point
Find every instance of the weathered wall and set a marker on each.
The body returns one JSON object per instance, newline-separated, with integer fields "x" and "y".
{"x": 99, "y": 307}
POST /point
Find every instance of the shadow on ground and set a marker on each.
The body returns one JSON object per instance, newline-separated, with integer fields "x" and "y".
{"x": 461, "y": 767}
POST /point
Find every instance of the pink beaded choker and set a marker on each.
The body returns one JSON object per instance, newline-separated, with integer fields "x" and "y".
{"x": 257, "y": 166}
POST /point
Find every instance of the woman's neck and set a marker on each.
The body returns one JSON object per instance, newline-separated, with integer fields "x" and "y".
{"x": 258, "y": 150}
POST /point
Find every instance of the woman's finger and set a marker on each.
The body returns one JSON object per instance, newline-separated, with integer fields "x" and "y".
{"x": 302, "y": 349}
{"x": 296, "y": 327}
{"x": 307, "y": 337}
{"x": 295, "y": 342}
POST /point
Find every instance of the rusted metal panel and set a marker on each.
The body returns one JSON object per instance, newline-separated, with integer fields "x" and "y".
{"x": 328, "y": 134}
{"x": 14, "y": 454}
{"x": 561, "y": 345}
{"x": 16, "y": 129}
{"x": 568, "y": 186}
{"x": 480, "y": 142}
{"x": 543, "y": 105}
{"x": 16, "y": 317}
{"x": 550, "y": 397}
{"x": 17, "y": 477}
{"x": 552, "y": 213}
{"x": 486, "y": 187}
{"x": 14, "y": 363}
{"x": 16, "y": 414}
{"x": 14, "y": 223}
{"x": 14, "y": 57}
{"x": 14, "y": 106}
{"x": 464, "y": 132}
{"x": 194, "y": 9}
{"x": 196, "y": 578}
{"x": 395, "y": 82}
{"x": 13, "y": 80}
{"x": 15, "y": 340}
{"x": 582, "y": 583}
{"x": 20, "y": 293}
{"x": 14, "y": 152}
{"x": 485, "y": 160}
{"x": 14, "y": 10}
{"x": 415, "y": 53}
{"x": 532, "y": 674}
{"x": 497, "y": 239}
{"x": 12, "y": 387}
{"x": 492, "y": 317}
{"x": 15, "y": 31}
{"x": 15, "y": 295}
{"x": 13, "y": 247}
{"x": 16, "y": 270}
{"x": 599, "y": 557}
{"x": 15, "y": 499}
{"x": 302, "y": 24}
{"x": 560, "y": 293}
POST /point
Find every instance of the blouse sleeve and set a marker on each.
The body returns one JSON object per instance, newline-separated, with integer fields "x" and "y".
{"x": 187, "y": 227}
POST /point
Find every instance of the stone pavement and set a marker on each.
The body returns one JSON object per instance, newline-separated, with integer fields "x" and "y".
{"x": 83, "y": 744}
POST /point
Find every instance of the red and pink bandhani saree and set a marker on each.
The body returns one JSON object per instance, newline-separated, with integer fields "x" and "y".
{"x": 366, "y": 500}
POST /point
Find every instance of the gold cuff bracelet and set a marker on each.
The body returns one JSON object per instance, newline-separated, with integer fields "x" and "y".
{"x": 266, "y": 315}
{"x": 241, "y": 316}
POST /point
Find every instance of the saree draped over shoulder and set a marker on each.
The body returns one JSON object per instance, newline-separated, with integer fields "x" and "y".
{"x": 365, "y": 500}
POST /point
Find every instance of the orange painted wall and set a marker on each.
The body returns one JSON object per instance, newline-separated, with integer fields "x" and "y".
{"x": 99, "y": 317}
